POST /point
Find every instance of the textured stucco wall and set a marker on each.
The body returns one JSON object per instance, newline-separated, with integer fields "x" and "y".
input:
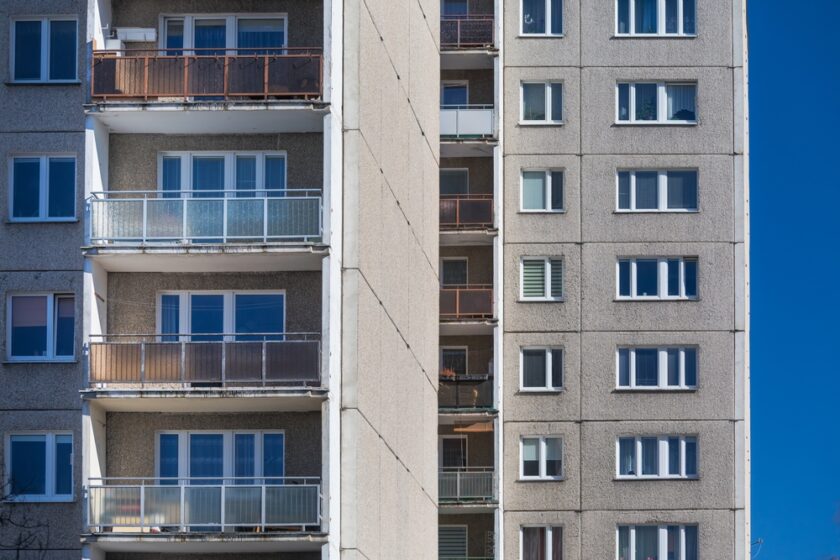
{"x": 130, "y": 440}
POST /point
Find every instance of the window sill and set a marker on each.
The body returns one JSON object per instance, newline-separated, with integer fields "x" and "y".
{"x": 669, "y": 211}
{"x": 541, "y": 212}
{"x": 44, "y": 83}
{"x": 523, "y": 391}
{"x": 653, "y": 36}
{"x": 541, "y": 300}
{"x": 656, "y": 478}
{"x": 541, "y": 35}
{"x": 656, "y": 123}
{"x": 40, "y": 500}
{"x": 43, "y": 221}
{"x": 13, "y": 362}
{"x": 557, "y": 479}
{"x": 653, "y": 299}
{"x": 540, "y": 123}
{"x": 654, "y": 390}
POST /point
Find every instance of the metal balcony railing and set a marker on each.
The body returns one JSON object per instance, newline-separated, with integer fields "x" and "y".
{"x": 222, "y": 505}
{"x": 198, "y": 75}
{"x": 469, "y": 484}
{"x": 199, "y": 216}
{"x": 465, "y": 392}
{"x": 467, "y": 121}
{"x": 463, "y": 303}
{"x": 261, "y": 360}
{"x": 466, "y": 211}
{"x": 467, "y": 31}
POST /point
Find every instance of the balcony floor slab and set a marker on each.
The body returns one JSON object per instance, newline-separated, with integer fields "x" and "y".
{"x": 454, "y": 148}
{"x": 206, "y": 400}
{"x": 467, "y": 327}
{"x": 207, "y": 543}
{"x": 466, "y": 508}
{"x": 468, "y": 237}
{"x": 467, "y": 59}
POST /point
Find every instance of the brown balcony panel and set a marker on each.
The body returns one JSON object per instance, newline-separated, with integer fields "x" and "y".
{"x": 293, "y": 361}
{"x": 202, "y": 362}
{"x": 467, "y": 32}
{"x": 465, "y": 394}
{"x": 162, "y": 362}
{"x": 466, "y": 303}
{"x": 114, "y": 362}
{"x": 471, "y": 211}
{"x": 243, "y": 362}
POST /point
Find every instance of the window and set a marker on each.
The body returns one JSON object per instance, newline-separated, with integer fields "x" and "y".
{"x": 657, "y": 191}
{"x": 455, "y": 7}
{"x": 542, "y": 17}
{"x": 452, "y": 541}
{"x": 542, "y": 191}
{"x": 656, "y": 103}
{"x": 40, "y": 466}
{"x": 212, "y": 34}
{"x": 453, "y": 452}
{"x": 645, "y": 542}
{"x": 207, "y": 316}
{"x": 542, "y": 458}
{"x": 541, "y": 543}
{"x": 454, "y": 94}
{"x": 44, "y": 50}
{"x": 542, "y": 369}
{"x": 454, "y": 272}
{"x": 454, "y": 182}
{"x": 542, "y": 103}
{"x": 542, "y": 279}
{"x": 216, "y": 174}
{"x": 42, "y": 327}
{"x": 43, "y": 188}
{"x": 235, "y": 457}
{"x": 656, "y": 17}
{"x": 657, "y": 278}
{"x": 453, "y": 361}
{"x": 656, "y": 457}
{"x": 657, "y": 368}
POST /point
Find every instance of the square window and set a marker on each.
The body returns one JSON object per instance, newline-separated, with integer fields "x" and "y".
{"x": 43, "y": 188}
{"x": 536, "y": 13}
{"x": 42, "y": 327}
{"x": 542, "y": 457}
{"x": 44, "y": 50}
{"x": 682, "y": 190}
{"x": 40, "y": 467}
{"x": 533, "y": 102}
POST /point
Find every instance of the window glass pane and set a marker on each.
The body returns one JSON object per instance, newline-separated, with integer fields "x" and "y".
{"x": 26, "y": 192}
{"x": 624, "y": 16}
{"x": 533, "y": 102}
{"x": 533, "y": 279}
{"x": 556, "y": 543}
{"x": 168, "y": 459}
{"x": 65, "y": 314}
{"x": 530, "y": 457}
{"x": 624, "y": 543}
{"x": 533, "y": 365}
{"x": 624, "y": 190}
{"x": 28, "y": 464}
{"x": 557, "y": 16}
{"x": 624, "y": 278}
{"x": 553, "y": 457}
{"x": 533, "y": 16}
{"x": 556, "y": 190}
{"x": 690, "y": 27}
{"x": 273, "y": 455}
{"x": 533, "y": 190}
{"x": 27, "y": 50}
{"x": 681, "y": 102}
{"x": 556, "y": 278}
{"x": 646, "y": 97}
{"x": 258, "y": 314}
{"x": 627, "y": 456}
{"x": 275, "y": 174}
{"x": 174, "y": 37}
{"x": 170, "y": 318}
{"x": 650, "y": 456}
{"x": 691, "y": 542}
{"x": 210, "y": 36}
{"x": 64, "y": 464}
{"x": 556, "y": 102}
{"x": 208, "y": 175}
{"x": 647, "y": 543}
{"x": 454, "y": 181}
{"x": 556, "y": 368}
{"x": 624, "y": 367}
{"x": 682, "y": 190}
{"x": 647, "y": 191}
{"x": 62, "y": 50}
{"x": 454, "y": 272}
{"x": 690, "y": 266}
{"x": 691, "y": 457}
{"x": 207, "y": 317}
{"x": 647, "y": 367}
{"x": 673, "y": 542}
{"x": 61, "y": 194}
{"x": 673, "y": 277}
{"x": 533, "y": 543}
{"x": 647, "y": 278}
{"x": 673, "y": 367}
{"x": 453, "y": 361}
{"x": 171, "y": 176}
{"x": 674, "y": 456}
{"x": 206, "y": 458}
{"x": 691, "y": 367}
{"x": 454, "y": 452}
{"x": 672, "y": 18}
{"x": 624, "y": 102}
{"x": 260, "y": 36}
{"x": 29, "y": 326}
{"x": 244, "y": 452}
{"x": 454, "y": 94}
{"x": 646, "y": 21}
{"x": 454, "y": 7}
{"x": 246, "y": 176}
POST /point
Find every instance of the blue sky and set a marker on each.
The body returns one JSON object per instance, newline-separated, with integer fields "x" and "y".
{"x": 795, "y": 198}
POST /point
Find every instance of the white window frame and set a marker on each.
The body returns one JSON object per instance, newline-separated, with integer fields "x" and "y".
{"x": 231, "y": 28}
{"x": 541, "y": 457}
{"x": 43, "y": 186}
{"x": 662, "y": 368}
{"x": 445, "y": 83}
{"x": 228, "y": 452}
{"x": 549, "y": 362}
{"x": 228, "y": 312}
{"x": 45, "y": 50}
{"x": 548, "y": 14}
{"x": 662, "y": 447}
{"x": 546, "y": 297}
{"x": 52, "y": 310}
{"x": 662, "y": 193}
{"x": 661, "y": 24}
{"x": 445, "y": 259}
{"x": 548, "y": 103}
{"x": 230, "y": 168}
{"x": 547, "y": 191}
{"x": 662, "y": 533}
{"x": 50, "y": 470}
{"x": 661, "y": 103}
{"x": 549, "y": 541}
{"x": 465, "y": 349}
{"x": 662, "y": 278}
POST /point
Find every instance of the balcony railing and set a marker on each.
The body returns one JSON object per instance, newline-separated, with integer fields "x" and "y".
{"x": 195, "y": 217}
{"x": 206, "y": 74}
{"x": 463, "y": 303}
{"x": 465, "y": 392}
{"x": 222, "y": 505}
{"x": 470, "y": 484}
{"x": 467, "y": 32}
{"x": 271, "y": 360}
{"x": 467, "y": 121}
{"x": 466, "y": 211}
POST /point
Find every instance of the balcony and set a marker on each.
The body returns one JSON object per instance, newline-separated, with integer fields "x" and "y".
{"x": 467, "y": 485}
{"x": 467, "y": 32}
{"x": 465, "y": 212}
{"x": 467, "y": 122}
{"x": 465, "y": 392}
{"x": 173, "y": 506}
{"x": 466, "y": 303}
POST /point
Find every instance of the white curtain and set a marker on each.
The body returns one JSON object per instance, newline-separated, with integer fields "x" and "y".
{"x": 682, "y": 102}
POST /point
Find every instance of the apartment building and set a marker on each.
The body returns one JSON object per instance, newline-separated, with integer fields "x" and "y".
{"x": 594, "y": 390}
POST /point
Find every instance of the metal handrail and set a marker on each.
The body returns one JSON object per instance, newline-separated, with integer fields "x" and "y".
{"x": 467, "y": 484}
{"x": 461, "y": 211}
{"x": 482, "y": 308}
{"x": 202, "y": 194}
{"x": 467, "y": 106}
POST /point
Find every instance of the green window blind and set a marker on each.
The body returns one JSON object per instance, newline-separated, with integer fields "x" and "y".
{"x": 533, "y": 278}
{"x": 556, "y": 278}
